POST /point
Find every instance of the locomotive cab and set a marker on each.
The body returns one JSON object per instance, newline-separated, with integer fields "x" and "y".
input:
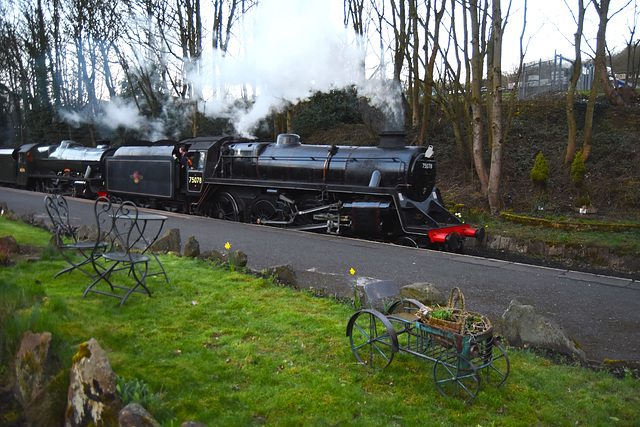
{"x": 204, "y": 155}
{"x": 26, "y": 156}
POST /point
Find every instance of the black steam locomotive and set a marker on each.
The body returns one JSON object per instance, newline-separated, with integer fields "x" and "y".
{"x": 385, "y": 192}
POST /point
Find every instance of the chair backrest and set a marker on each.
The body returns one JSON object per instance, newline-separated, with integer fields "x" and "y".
{"x": 383, "y": 289}
{"x": 119, "y": 223}
{"x": 381, "y": 293}
{"x": 58, "y": 210}
{"x": 103, "y": 212}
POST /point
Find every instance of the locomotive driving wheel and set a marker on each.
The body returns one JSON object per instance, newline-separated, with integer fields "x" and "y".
{"x": 224, "y": 206}
{"x": 264, "y": 209}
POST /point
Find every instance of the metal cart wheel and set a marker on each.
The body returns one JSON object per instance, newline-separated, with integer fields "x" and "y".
{"x": 458, "y": 379}
{"x": 406, "y": 306}
{"x": 498, "y": 370}
{"x": 373, "y": 339}
{"x": 403, "y": 315}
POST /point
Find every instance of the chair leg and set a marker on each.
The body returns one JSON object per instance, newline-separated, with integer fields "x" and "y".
{"x": 104, "y": 276}
{"x": 140, "y": 278}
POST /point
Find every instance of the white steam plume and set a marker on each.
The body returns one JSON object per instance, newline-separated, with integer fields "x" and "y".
{"x": 293, "y": 48}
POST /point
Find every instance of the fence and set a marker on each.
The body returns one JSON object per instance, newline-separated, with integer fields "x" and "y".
{"x": 553, "y": 75}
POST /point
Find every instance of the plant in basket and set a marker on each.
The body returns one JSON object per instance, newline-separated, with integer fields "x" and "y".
{"x": 446, "y": 318}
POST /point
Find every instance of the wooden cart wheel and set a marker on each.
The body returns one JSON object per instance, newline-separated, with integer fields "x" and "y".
{"x": 373, "y": 339}
{"x": 456, "y": 376}
{"x": 498, "y": 370}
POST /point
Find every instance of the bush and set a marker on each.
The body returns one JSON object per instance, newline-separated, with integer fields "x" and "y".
{"x": 540, "y": 171}
{"x": 578, "y": 170}
{"x": 327, "y": 110}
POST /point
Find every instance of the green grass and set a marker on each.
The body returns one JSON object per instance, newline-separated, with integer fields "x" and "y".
{"x": 226, "y": 348}
{"x": 621, "y": 243}
{"x": 24, "y": 235}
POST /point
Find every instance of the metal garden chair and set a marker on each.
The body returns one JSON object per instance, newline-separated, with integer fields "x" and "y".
{"x": 120, "y": 224}
{"x": 67, "y": 241}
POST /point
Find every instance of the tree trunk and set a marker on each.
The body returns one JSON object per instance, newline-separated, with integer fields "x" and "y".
{"x": 496, "y": 119}
{"x": 600, "y": 68}
{"x": 575, "y": 76}
{"x": 476, "y": 107}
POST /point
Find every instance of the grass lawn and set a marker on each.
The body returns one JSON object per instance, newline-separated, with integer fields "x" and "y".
{"x": 227, "y": 348}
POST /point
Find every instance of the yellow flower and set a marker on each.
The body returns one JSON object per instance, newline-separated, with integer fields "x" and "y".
{"x": 352, "y": 271}
{"x": 227, "y": 245}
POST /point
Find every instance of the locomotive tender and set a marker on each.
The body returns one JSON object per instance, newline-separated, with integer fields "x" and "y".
{"x": 385, "y": 192}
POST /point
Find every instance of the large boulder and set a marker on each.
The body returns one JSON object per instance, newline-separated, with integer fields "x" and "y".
{"x": 170, "y": 242}
{"x": 92, "y": 398}
{"x": 426, "y": 293}
{"x": 522, "y": 325}
{"x": 192, "y": 248}
{"x": 40, "y": 386}
{"x": 35, "y": 366}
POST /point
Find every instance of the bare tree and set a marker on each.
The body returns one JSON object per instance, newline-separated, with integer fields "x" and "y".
{"x": 601, "y": 74}
{"x": 430, "y": 60}
{"x": 575, "y": 75}
{"x": 478, "y": 23}
{"x": 495, "y": 100}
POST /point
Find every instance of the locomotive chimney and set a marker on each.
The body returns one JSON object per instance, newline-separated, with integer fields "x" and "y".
{"x": 391, "y": 139}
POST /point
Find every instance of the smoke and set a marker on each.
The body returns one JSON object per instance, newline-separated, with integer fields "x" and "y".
{"x": 283, "y": 52}
{"x": 118, "y": 113}
{"x": 289, "y": 50}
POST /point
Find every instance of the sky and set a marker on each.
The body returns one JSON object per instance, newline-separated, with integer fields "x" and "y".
{"x": 550, "y": 28}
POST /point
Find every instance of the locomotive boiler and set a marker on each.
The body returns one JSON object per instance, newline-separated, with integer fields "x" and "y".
{"x": 385, "y": 192}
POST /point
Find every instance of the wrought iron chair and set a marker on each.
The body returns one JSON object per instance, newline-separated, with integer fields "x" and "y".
{"x": 67, "y": 238}
{"x": 121, "y": 226}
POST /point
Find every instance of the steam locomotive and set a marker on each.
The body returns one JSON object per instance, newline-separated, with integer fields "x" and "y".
{"x": 386, "y": 192}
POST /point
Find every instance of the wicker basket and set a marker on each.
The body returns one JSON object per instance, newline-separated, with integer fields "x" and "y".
{"x": 449, "y": 325}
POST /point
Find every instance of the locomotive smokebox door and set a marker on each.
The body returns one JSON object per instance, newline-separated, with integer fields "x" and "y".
{"x": 194, "y": 181}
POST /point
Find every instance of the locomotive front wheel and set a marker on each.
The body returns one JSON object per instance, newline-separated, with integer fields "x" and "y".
{"x": 373, "y": 339}
{"x": 456, "y": 376}
{"x": 498, "y": 370}
{"x": 224, "y": 206}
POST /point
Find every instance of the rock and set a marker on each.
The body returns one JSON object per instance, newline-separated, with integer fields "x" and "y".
{"x": 50, "y": 403}
{"x": 170, "y": 242}
{"x": 284, "y": 274}
{"x": 35, "y": 366}
{"x": 522, "y": 325}
{"x": 426, "y": 293}
{"x": 239, "y": 259}
{"x": 92, "y": 398}
{"x": 213, "y": 255}
{"x": 9, "y": 244}
{"x": 192, "y": 248}
{"x": 192, "y": 424}
{"x": 134, "y": 415}
{"x": 87, "y": 232}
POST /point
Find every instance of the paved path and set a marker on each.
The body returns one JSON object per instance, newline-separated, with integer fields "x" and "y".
{"x": 602, "y": 313}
